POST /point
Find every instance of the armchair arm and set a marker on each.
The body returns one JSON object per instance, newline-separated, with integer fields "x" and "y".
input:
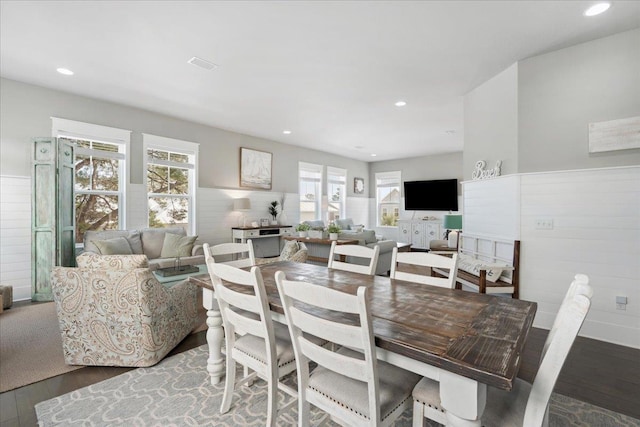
{"x": 385, "y": 245}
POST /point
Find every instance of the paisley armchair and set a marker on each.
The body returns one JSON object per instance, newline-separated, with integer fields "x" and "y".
{"x": 113, "y": 312}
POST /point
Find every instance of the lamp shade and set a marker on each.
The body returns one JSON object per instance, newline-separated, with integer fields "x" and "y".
{"x": 243, "y": 204}
{"x": 453, "y": 222}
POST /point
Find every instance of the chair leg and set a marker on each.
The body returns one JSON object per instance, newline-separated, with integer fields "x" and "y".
{"x": 229, "y": 384}
{"x": 303, "y": 412}
{"x": 245, "y": 371}
{"x": 272, "y": 400}
{"x": 418, "y": 414}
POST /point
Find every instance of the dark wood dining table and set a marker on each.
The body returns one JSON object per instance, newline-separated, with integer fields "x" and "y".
{"x": 464, "y": 340}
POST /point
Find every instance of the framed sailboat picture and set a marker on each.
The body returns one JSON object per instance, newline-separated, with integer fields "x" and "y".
{"x": 255, "y": 168}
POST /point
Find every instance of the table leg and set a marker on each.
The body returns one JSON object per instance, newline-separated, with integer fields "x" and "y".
{"x": 215, "y": 335}
{"x": 463, "y": 398}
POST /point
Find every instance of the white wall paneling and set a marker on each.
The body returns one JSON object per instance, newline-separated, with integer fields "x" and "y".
{"x": 137, "y": 215}
{"x": 215, "y": 215}
{"x": 492, "y": 207}
{"x": 15, "y": 235}
{"x": 595, "y": 217}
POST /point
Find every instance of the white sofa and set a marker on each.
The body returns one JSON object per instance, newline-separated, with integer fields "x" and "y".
{"x": 147, "y": 241}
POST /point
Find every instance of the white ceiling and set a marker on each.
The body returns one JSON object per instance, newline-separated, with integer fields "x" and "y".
{"x": 328, "y": 71}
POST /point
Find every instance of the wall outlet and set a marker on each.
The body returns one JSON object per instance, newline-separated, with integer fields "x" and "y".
{"x": 621, "y": 303}
{"x": 544, "y": 224}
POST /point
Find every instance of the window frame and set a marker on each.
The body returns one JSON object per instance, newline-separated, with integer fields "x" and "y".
{"x": 396, "y": 176}
{"x": 190, "y": 149}
{"x": 317, "y": 181}
{"x": 76, "y": 130}
{"x": 337, "y": 176}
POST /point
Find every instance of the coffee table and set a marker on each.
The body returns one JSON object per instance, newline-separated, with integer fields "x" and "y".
{"x": 170, "y": 281}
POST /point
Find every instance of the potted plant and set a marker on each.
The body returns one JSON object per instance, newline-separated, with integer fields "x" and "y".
{"x": 273, "y": 211}
{"x": 316, "y": 232}
{"x": 302, "y": 229}
{"x": 333, "y": 231}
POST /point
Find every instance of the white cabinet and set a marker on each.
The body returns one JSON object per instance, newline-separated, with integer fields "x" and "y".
{"x": 419, "y": 233}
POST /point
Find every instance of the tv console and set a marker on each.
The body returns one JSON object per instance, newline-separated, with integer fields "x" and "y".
{"x": 266, "y": 240}
{"x": 419, "y": 233}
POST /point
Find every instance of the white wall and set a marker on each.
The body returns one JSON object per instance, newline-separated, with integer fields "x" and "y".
{"x": 491, "y": 123}
{"x": 596, "y": 231}
{"x": 561, "y": 92}
{"x": 15, "y": 235}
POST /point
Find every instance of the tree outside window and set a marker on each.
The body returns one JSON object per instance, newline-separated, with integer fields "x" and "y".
{"x": 97, "y": 186}
{"x": 169, "y": 188}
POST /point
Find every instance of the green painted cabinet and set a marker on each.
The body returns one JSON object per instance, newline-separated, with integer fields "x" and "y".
{"x": 52, "y": 212}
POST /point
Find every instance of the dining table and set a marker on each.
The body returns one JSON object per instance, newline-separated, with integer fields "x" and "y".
{"x": 466, "y": 341}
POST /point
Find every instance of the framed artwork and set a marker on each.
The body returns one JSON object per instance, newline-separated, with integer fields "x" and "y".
{"x": 255, "y": 168}
{"x": 358, "y": 185}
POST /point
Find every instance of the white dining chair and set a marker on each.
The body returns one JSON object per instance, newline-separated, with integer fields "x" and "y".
{"x": 526, "y": 404}
{"x": 350, "y": 384}
{"x": 424, "y": 260}
{"x": 353, "y": 251}
{"x": 235, "y": 254}
{"x": 251, "y": 338}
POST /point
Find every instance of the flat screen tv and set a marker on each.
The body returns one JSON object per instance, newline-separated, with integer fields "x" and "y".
{"x": 435, "y": 195}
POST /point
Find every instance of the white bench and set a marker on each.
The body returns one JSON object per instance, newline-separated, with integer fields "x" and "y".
{"x": 475, "y": 251}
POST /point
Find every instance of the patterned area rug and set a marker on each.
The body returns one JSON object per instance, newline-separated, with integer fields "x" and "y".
{"x": 177, "y": 392}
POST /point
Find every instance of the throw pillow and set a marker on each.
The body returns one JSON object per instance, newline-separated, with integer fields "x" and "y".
{"x": 472, "y": 265}
{"x": 177, "y": 246}
{"x": 289, "y": 250}
{"x": 117, "y": 246}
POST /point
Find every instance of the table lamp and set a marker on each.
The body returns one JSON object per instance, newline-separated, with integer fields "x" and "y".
{"x": 242, "y": 205}
{"x": 453, "y": 223}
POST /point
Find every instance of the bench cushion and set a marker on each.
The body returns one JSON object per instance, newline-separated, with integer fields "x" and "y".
{"x": 473, "y": 265}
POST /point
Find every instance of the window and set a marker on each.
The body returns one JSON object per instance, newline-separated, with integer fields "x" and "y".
{"x": 336, "y": 193}
{"x": 101, "y": 174}
{"x": 310, "y": 180}
{"x": 388, "y": 198}
{"x": 170, "y": 182}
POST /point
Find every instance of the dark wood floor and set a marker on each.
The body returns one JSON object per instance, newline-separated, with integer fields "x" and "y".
{"x": 596, "y": 372}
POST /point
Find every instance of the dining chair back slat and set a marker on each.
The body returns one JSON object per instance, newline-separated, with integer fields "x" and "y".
{"x": 223, "y": 251}
{"x": 424, "y": 260}
{"x": 356, "y": 251}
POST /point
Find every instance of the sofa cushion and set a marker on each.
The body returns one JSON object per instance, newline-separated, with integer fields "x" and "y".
{"x": 177, "y": 246}
{"x": 153, "y": 239}
{"x": 344, "y": 224}
{"x": 365, "y": 236}
{"x": 116, "y": 246}
{"x": 133, "y": 237}
{"x": 473, "y": 265}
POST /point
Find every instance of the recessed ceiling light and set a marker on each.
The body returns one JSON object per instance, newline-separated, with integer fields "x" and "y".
{"x": 373, "y": 155}
{"x": 401, "y": 103}
{"x": 65, "y": 71}
{"x": 597, "y": 9}
{"x": 202, "y": 63}
{"x": 286, "y": 132}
